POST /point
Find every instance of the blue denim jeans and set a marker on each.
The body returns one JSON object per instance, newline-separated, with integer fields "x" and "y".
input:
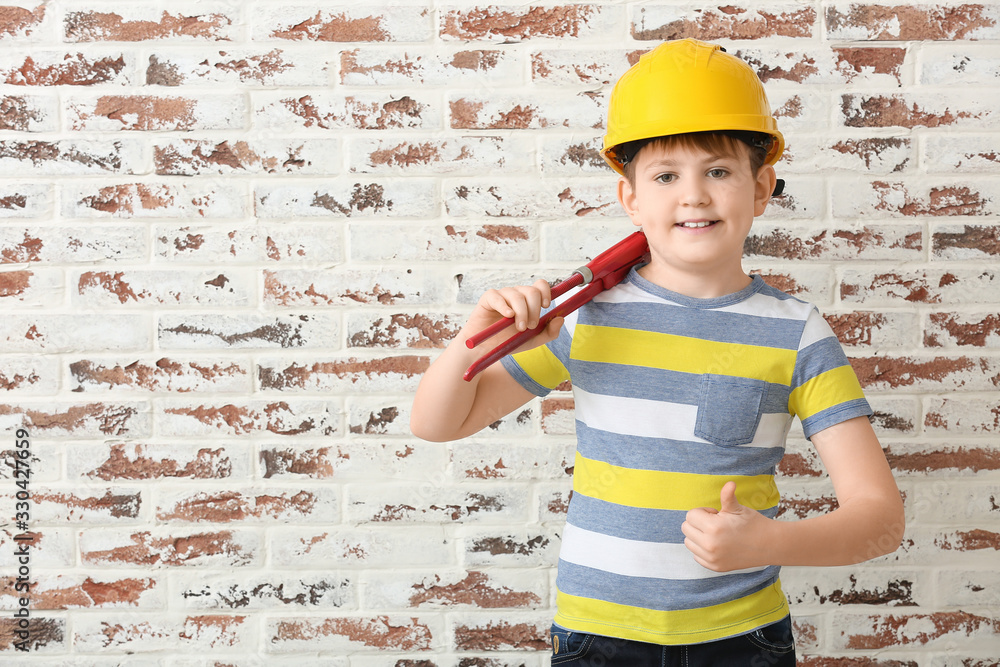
{"x": 770, "y": 646}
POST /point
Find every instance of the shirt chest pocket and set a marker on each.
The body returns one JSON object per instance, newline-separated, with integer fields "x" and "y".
{"x": 729, "y": 409}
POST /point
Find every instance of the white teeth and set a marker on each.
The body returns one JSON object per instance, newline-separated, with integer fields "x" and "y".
{"x": 696, "y": 225}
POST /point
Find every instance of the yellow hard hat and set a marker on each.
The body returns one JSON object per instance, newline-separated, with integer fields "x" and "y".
{"x": 687, "y": 86}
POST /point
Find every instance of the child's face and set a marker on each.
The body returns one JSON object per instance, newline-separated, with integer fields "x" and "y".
{"x": 695, "y": 208}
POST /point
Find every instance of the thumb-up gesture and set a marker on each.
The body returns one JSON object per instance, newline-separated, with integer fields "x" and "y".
{"x": 730, "y": 538}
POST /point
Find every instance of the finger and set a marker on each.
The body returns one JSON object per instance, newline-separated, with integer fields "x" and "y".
{"x": 493, "y": 300}
{"x": 728, "y": 498}
{"x": 533, "y": 299}
{"x": 546, "y": 291}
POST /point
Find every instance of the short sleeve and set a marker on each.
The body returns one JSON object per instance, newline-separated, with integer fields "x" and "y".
{"x": 825, "y": 389}
{"x": 543, "y": 368}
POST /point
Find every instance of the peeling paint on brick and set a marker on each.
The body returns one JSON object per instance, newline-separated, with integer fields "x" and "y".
{"x": 501, "y": 636}
{"x": 312, "y": 463}
{"x": 869, "y": 149}
{"x": 909, "y": 22}
{"x": 42, "y": 633}
{"x": 380, "y": 631}
{"x": 72, "y": 71}
{"x": 145, "y": 112}
{"x": 855, "y": 60}
{"x": 132, "y": 462}
{"x": 106, "y": 26}
{"x": 475, "y": 589}
{"x": 299, "y": 376}
{"x": 897, "y": 630}
{"x": 895, "y": 111}
{"x": 377, "y": 422}
{"x": 729, "y": 22}
{"x": 148, "y": 550}
{"x": 981, "y": 238}
{"x": 233, "y": 506}
{"x": 336, "y": 28}
{"x": 501, "y": 545}
{"x": 20, "y": 21}
{"x": 483, "y": 23}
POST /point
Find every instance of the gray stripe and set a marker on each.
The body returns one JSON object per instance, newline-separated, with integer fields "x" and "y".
{"x": 660, "y": 594}
{"x": 641, "y": 453}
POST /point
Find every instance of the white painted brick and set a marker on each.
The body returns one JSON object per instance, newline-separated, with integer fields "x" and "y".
{"x": 284, "y": 242}
{"x": 348, "y": 199}
{"x": 249, "y": 330}
{"x": 75, "y": 333}
{"x": 362, "y": 547}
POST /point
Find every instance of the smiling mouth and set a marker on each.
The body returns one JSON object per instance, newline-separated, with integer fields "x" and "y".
{"x": 696, "y": 224}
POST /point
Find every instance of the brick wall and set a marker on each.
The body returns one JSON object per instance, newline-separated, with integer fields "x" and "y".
{"x": 233, "y": 235}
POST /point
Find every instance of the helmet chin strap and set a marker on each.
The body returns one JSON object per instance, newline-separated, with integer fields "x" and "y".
{"x": 779, "y": 187}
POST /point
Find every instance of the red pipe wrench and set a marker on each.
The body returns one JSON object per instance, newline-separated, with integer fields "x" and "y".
{"x": 601, "y": 273}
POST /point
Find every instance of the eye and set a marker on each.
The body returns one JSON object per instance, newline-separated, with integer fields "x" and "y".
{"x": 718, "y": 172}
{"x": 665, "y": 178}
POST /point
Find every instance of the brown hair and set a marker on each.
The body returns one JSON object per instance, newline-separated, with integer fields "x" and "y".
{"x": 719, "y": 143}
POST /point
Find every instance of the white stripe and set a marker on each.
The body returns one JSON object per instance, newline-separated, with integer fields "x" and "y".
{"x": 763, "y": 305}
{"x": 632, "y": 558}
{"x": 816, "y": 329}
{"x": 660, "y": 419}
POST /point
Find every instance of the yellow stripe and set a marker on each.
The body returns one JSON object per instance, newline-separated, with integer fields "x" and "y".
{"x": 654, "y": 489}
{"x": 542, "y": 366}
{"x": 680, "y": 353}
{"x": 825, "y": 391}
{"x": 672, "y": 627}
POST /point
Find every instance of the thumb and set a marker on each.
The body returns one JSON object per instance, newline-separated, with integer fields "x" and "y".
{"x": 728, "y": 497}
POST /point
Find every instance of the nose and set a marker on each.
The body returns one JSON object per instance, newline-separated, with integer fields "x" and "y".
{"x": 695, "y": 192}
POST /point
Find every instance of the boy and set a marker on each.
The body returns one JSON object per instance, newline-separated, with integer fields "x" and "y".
{"x": 686, "y": 377}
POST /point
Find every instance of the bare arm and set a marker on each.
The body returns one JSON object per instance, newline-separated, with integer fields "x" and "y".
{"x": 446, "y": 407}
{"x": 867, "y": 523}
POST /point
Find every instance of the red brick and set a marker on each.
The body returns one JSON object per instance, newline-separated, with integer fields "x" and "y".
{"x": 401, "y": 330}
{"x": 121, "y": 633}
{"x": 245, "y": 592}
{"x": 123, "y": 462}
{"x": 917, "y": 286}
{"x": 569, "y": 67}
{"x": 314, "y": 463}
{"x": 966, "y": 415}
{"x": 911, "y": 111}
{"x": 249, "y": 418}
{"x": 144, "y": 549}
{"x": 83, "y": 420}
{"x": 962, "y": 329}
{"x": 69, "y": 157}
{"x": 386, "y": 67}
{"x": 465, "y": 155}
{"x": 941, "y": 372}
{"x": 91, "y": 592}
{"x": 381, "y": 23}
{"x": 898, "y": 199}
{"x": 245, "y": 331}
{"x": 236, "y": 67}
{"x": 29, "y": 376}
{"x": 164, "y": 288}
{"x": 193, "y": 157}
{"x": 501, "y": 636}
{"x": 35, "y": 288}
{"x": 232, "y": 506}
{"x": 20, "y": 21}
{"x": 941, "y": 459}
{"x": 156, "y": 112}
{"x": 580, "y": 111}
{"x": 279, "y": 375}
{"x": 45, "y": 68}
{"x": 93, "y": 507}
{"x": 298, "y": 288}
{"x": 660, "y": 23}
{"x": 214, "y": 243}
{"x": 362, "y": 112}
{"x": 871, "y": 242}
{"x": 160, "y": 375}
{"x": 966, "y": 242}
{"x": 883, "y": 631}
{"x": 862, "y": 21}
{"x": 497, "y": 23}
{"x": 29, "y": 113}
{"x": 349, "y": 633}
{"x": 70, "y": 245}
{"x": 145, "y": 23}
{"x": 45, "y": 635}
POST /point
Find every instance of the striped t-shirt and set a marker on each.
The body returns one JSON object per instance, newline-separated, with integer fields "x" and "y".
{"x": 674, "y": 396}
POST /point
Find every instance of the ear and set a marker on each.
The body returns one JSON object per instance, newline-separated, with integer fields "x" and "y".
{"x": 763, "y": 187}
{"x": 627, "y": 198}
